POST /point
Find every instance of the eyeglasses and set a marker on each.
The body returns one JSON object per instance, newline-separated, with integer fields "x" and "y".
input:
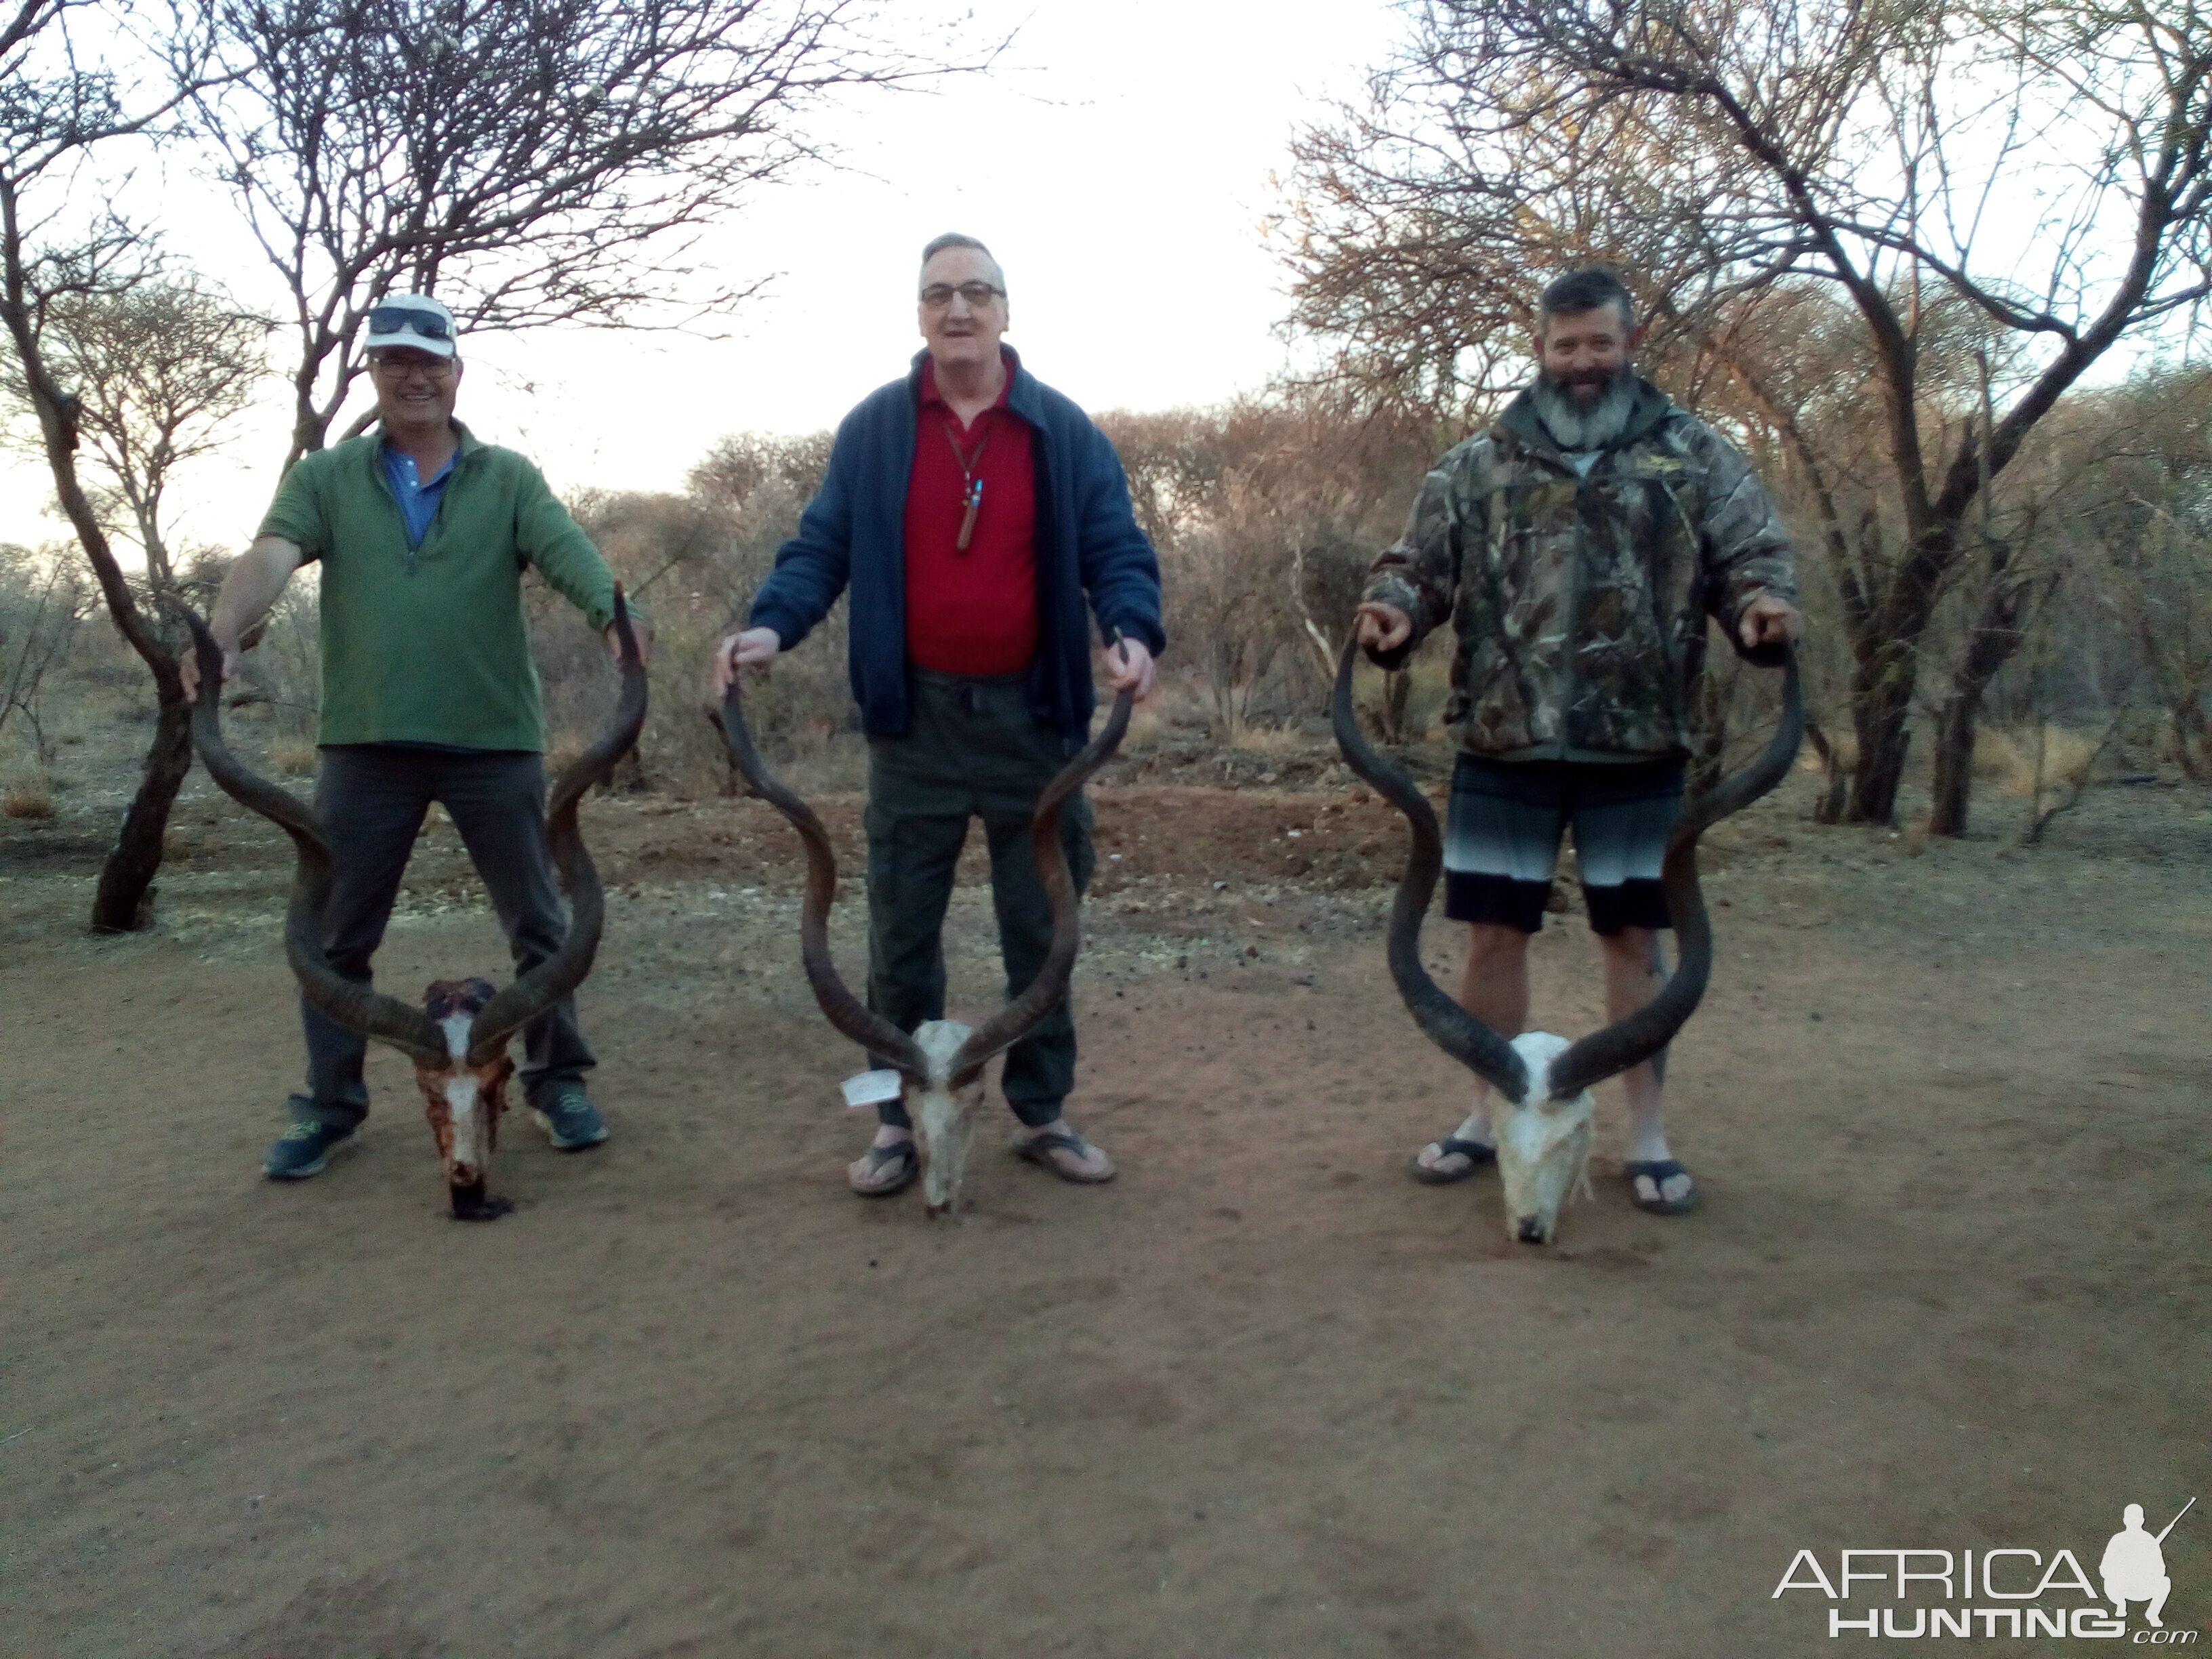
{"x": 408, "y": 319}
{"x": 937, "y": 296}
{"x": 437, "y": 368}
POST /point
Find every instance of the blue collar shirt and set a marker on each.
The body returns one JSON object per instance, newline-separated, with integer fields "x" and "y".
{"x": 418, "y": 500}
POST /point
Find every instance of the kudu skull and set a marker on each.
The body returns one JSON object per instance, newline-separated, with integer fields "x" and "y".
{"x": 458, "y": 1039}
{"x": 1544, "y": 1138}
{"x": 941, "y": 1063}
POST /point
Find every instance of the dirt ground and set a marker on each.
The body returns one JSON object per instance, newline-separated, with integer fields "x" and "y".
{"x": 1261, "y": 1398}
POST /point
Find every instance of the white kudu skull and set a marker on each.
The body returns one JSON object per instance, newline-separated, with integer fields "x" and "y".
{"x": 1543, "y": 1144}
{"x": 944, "y": 1117}
{"x": 942, "y": 1062}
{"x": 1545, "y": 1134}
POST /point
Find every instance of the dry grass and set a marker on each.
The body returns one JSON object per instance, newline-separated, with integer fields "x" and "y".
{"x": 1179, "y": 702}
{"x": 1265, "y": 740}
{"x": 833, "y": 765}
{"x": 30, "y": 796}
{"x": 293, "y": 757}
{"x": 2007, "y": 758}
{"x": 2003, "y": 759}
{"x": 562, "y": 749}
{"x": 1145, "y": 725}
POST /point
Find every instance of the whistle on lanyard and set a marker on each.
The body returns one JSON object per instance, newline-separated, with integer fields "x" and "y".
{"x": 974, "y": 505}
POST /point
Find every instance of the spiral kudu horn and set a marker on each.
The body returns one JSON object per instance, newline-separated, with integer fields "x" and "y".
{"x": 852, "y": 1017}
{"x": 357, "y": 1007}
{"x": 1629, "y": 1042}
{"x": 1602, "y": 1053}
{"x": 368, "y": 1012}
{"x": 1445, "y": 1023}
{"x": 540, "y": 988}
{"x": 839, "y": 1006}
{"x": 1026, "y": 1011}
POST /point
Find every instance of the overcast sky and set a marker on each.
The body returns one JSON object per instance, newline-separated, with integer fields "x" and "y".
{"x": 1118, "y": 160}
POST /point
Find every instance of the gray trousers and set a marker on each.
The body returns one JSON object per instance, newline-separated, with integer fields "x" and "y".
{"x": 973, "y": 750}
{"x": 372, "y": 800}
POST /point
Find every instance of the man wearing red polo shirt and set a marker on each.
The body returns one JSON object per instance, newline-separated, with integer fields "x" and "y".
{"x": 981, "y": 522}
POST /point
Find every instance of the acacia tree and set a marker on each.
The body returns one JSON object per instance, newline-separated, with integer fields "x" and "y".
{"x": 160, "y": 361}
{"x": 56, "y": 113}
{"x": 530, "y": 161}
{"x": 156, "y": 364}
{"x": 1721, "y": 149}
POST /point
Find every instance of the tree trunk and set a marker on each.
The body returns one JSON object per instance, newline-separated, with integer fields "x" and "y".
{"x": 1881, "y": 700}
{"x": 1888, "y": 652}
{"x": 1997, "y": 634}
{"x": 122, "y": 902}
{"x": 2193, "y": 741}
{"x": 1397, "y": 689}
{"x": 1954, "y": 764}
{"x": 1875, "y": 666}
{"x": 1829, "y": 808}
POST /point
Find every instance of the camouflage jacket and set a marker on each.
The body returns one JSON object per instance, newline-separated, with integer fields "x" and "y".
{"x": 1580, "y": 603}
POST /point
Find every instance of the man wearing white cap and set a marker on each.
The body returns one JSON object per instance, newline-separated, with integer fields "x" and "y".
{"x": 428, "y": 693}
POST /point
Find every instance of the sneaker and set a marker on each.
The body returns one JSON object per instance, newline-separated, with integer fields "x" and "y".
{"x": 303, "y": 1150}
{"x": 571, "y": 1123}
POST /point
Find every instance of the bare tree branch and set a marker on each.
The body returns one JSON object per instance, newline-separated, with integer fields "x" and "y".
{"x": 529, "y": 160}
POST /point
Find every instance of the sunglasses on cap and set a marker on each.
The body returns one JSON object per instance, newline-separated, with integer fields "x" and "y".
{"x": 408, "y": 319}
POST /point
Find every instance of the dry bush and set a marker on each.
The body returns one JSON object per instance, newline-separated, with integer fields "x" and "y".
{"x": 1266, "y": 513}
{"x": 1265, "y": 740}
{"x": 836, "y": 766}
{"x": 1996, "y": 758}
{"x": 2007, "y": 758}
{"x": 293, "y": 757}
{"x": 31, "y": 795}
{"x": 285, "y": 667}
{"x": 1145, "y": 725}
{"x": 692, "y": 561}
{"x": 1430, "y": 673}
{"x": 1180, "y": 702}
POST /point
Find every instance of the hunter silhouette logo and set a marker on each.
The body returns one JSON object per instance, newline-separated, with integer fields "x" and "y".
{"x": 2016, "y": 1593}
{"x": 2133, "y": 1567}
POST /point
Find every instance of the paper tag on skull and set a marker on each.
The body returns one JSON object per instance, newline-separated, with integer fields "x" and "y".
{"x": 872, "y": 1088}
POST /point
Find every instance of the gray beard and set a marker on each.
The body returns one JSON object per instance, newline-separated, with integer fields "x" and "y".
{"x": 1573, "y": 426}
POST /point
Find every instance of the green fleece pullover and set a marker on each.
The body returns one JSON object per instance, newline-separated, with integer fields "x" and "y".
{"x": 429, "y": 645}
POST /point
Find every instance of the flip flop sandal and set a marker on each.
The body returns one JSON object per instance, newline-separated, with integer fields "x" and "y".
{"x": 1038, "y": 1150}
{"x": 902, "y": 1151}
{"x": 1659, "y": 1170}
{"x": 1474, "y": 1151}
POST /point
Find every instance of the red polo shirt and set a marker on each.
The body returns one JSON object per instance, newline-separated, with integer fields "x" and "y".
{"x": 972, "y": 612}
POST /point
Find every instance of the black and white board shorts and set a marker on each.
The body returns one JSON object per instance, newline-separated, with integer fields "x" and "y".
{"x": 1502, "y": 839}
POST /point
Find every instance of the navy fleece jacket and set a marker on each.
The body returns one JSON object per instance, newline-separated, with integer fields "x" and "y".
{"x": 855, "y": 530}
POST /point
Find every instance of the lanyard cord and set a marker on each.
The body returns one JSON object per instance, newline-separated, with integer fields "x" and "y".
{"x": 968, "y": 462}
{"x": 972, "y": 487}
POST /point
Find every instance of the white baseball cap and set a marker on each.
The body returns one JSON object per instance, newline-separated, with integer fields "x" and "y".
{"x": 411, "y": 319}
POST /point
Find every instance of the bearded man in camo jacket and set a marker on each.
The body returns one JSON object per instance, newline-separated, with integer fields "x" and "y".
{"x": 1577, "y": 547}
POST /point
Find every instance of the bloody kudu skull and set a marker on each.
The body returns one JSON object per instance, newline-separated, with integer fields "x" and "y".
{"x": 1544, "y": 1141}
{"x": 458, "y": 1039}
{"x": 942, "y": 1062}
